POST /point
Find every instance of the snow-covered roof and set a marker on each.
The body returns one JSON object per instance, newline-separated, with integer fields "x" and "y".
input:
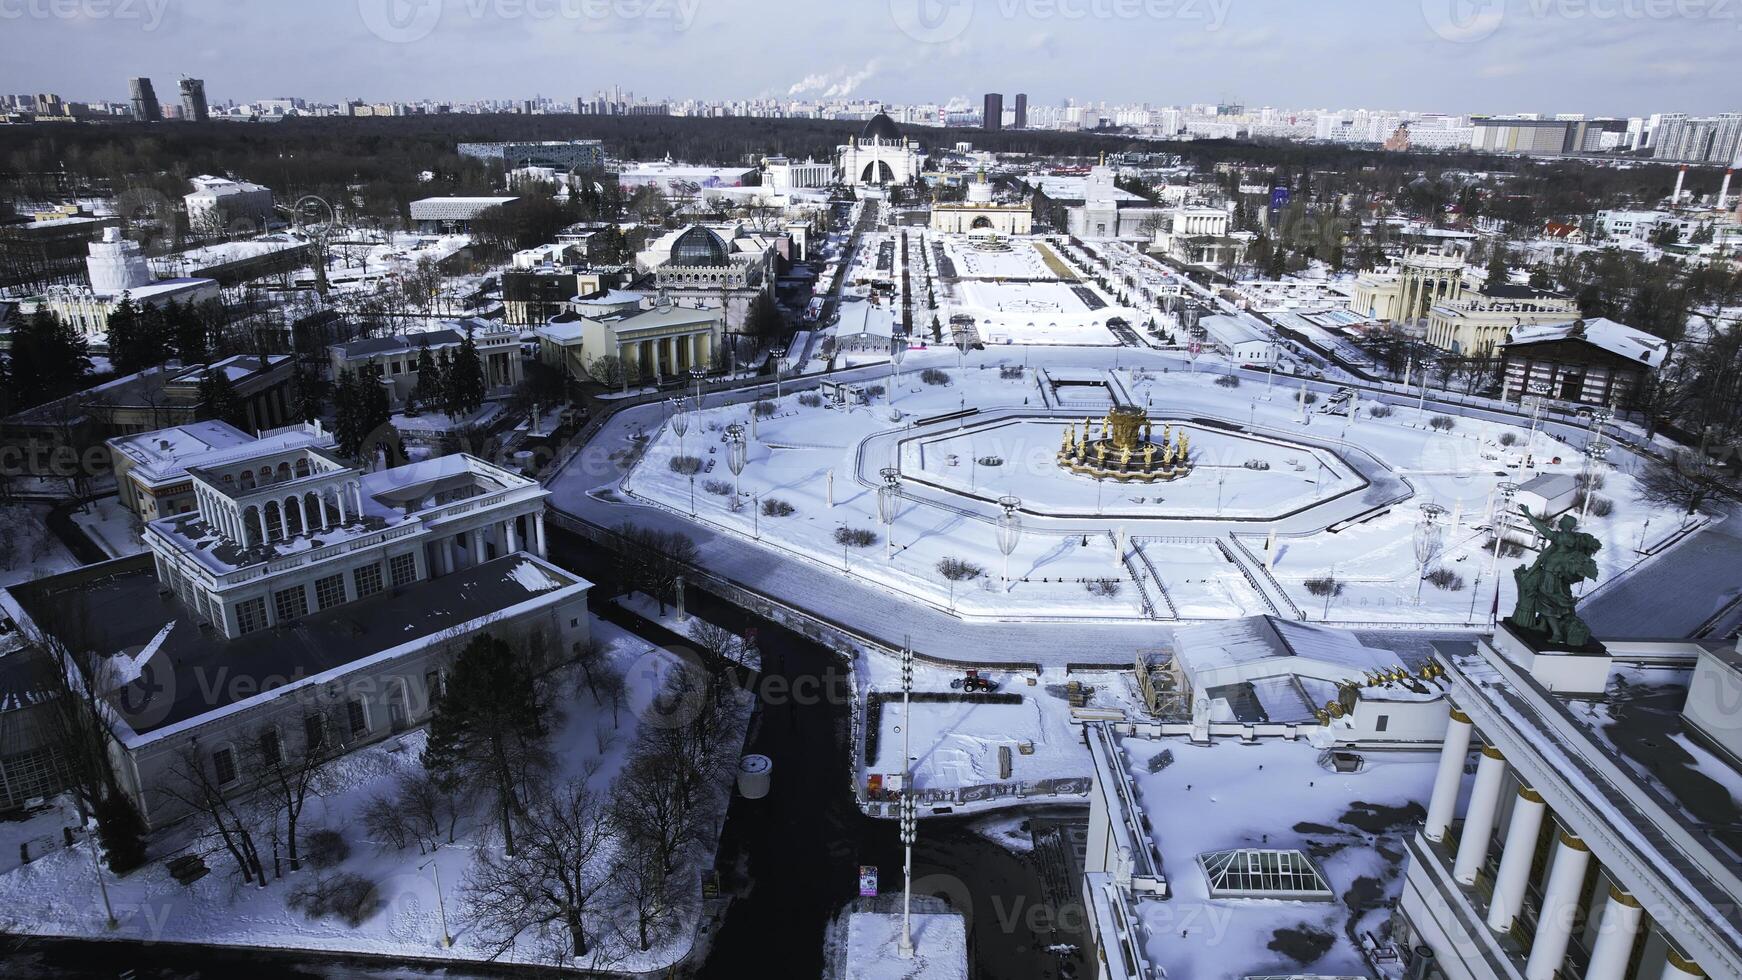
{"x": 166, "y": 454}
{"x": 1233, "y": 330}
{"x": 1244, "y": 650}
{"x": 1616, "y": 338}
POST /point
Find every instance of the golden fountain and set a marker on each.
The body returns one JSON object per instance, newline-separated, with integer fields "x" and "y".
{"x": 1125, "y": 449}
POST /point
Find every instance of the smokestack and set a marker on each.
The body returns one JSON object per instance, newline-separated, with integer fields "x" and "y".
{"x": 1680, "y": 175}
{"x": 1724, "y": 189}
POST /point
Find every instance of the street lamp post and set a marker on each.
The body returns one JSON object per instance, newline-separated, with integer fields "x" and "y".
{"x": 1539, "y": 397}
{"x": 698, "y": 375}
{"x": 888, "y": 498}
{"x": 1429, "y": 540}
{"x": 1595, "y": 454}
{"x": 680, "y": 421}
{"x": 779, "y": 356}
{"x": 897, "y": 351}
{"x": 441, "y": 904}
{"x": 909, "y": 813}
{"x": 1009, "y": 531}
{"x": 736, "y": 453}
{"x": 1505, "y": 492}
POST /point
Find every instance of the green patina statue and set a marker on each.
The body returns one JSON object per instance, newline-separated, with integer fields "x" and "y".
{"x": 1545, "y": 589}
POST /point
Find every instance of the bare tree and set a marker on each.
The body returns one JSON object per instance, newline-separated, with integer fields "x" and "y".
{"x": 194, "y": 783}
{"x": 287, "y": 778}
{"x": 956, "y": 570}
{"x": 551, "y": 884}
{"x": 83, "y": 682}
{"x": 654, "y": 897}
{"x": 1686, "y": 482}
{"x": 648, "y": 802}
{"x": 719, "y": 646}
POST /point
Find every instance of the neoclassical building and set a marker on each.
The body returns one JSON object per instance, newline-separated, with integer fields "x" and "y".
{"x": 663, "y": 341}
{"x": 1419, "y": 281}
{"x": 1478, "y": 322}
{"x": 303, "y": 605}
{"x": 1597, "y": 838}
{"x": 879, "y": 156}
{"x": 981, "y": 215}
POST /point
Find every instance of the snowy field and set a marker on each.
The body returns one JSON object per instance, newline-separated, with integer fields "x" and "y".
{"x": 1219, "y": 485}
{"x": 57, "y": 893}
{"x": 1274, "y": 794}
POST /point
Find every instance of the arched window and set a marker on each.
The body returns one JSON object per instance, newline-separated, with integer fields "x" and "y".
{"x": 302, "y": 467}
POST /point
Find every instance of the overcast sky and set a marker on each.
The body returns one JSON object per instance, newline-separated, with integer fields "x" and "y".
{"x": 1620, "y": 57}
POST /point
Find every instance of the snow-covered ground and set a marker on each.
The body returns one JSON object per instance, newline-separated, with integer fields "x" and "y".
{"x": 57, "y": 894}
{"x": 111, "y": 525}
{"x": 28, "y": 549}
{"x": 1323, "y": 472}
{"x": 940, "y": 947}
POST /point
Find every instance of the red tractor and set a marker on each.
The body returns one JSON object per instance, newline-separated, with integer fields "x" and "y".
{"x": 972, "y": 680}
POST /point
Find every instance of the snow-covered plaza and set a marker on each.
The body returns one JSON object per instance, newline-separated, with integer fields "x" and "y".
{"x": 1020, "y": 291}
{"x": 1288, "y": 509}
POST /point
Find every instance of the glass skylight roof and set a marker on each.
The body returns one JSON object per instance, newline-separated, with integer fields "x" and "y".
{"x": 1250, "y": 872}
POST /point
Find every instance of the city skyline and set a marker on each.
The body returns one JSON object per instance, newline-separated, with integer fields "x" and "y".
{"x": 1442, "y": 56}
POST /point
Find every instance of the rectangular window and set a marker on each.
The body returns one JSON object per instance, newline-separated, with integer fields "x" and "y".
{"x": 291, "y": 603}
{"x": 329, "y": 591}
{"x": 358, "y": 717}
{"x": 224, "y": 766}
{"x": 270, "y": 751}
{"x": 314, "y": 732}
{"x": 432, "y": 686}
{"x": 1382, "y": 724}
{"x": 403, "y": 569}
{"x": 250, "y": 615}
{"x": 368, "y": 580}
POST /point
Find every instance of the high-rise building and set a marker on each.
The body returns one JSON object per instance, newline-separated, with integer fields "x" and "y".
{"x": 1710, "y": 139}
{"x": 193, "y": 100}
{"x": 1021, "y": 119}
{"x": 145, "y": 107}
{"x": 992, "y": 116}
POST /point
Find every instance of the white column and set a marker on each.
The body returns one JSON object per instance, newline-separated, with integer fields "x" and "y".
{"x": 1479, "y": 817}
{"x": 538, "y": 534}
{"x": 477, "y": 547}
{"x": 1520, "y": 850}
{"x": 448, "y": 563}
{"x": 357, "y": 491}
{"x": 1679, "y": 967}
{"x": 340, "y": 499}
{"x": 302, "y": 511}
{"x": 326, "y": 512}
{"x": 260, "y": 515}
{"x": 1453, "y": 754}
{"x": 1616, "y": 932}
{"x": 513, "y": 538}
{"x": 1560, "y": 902}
